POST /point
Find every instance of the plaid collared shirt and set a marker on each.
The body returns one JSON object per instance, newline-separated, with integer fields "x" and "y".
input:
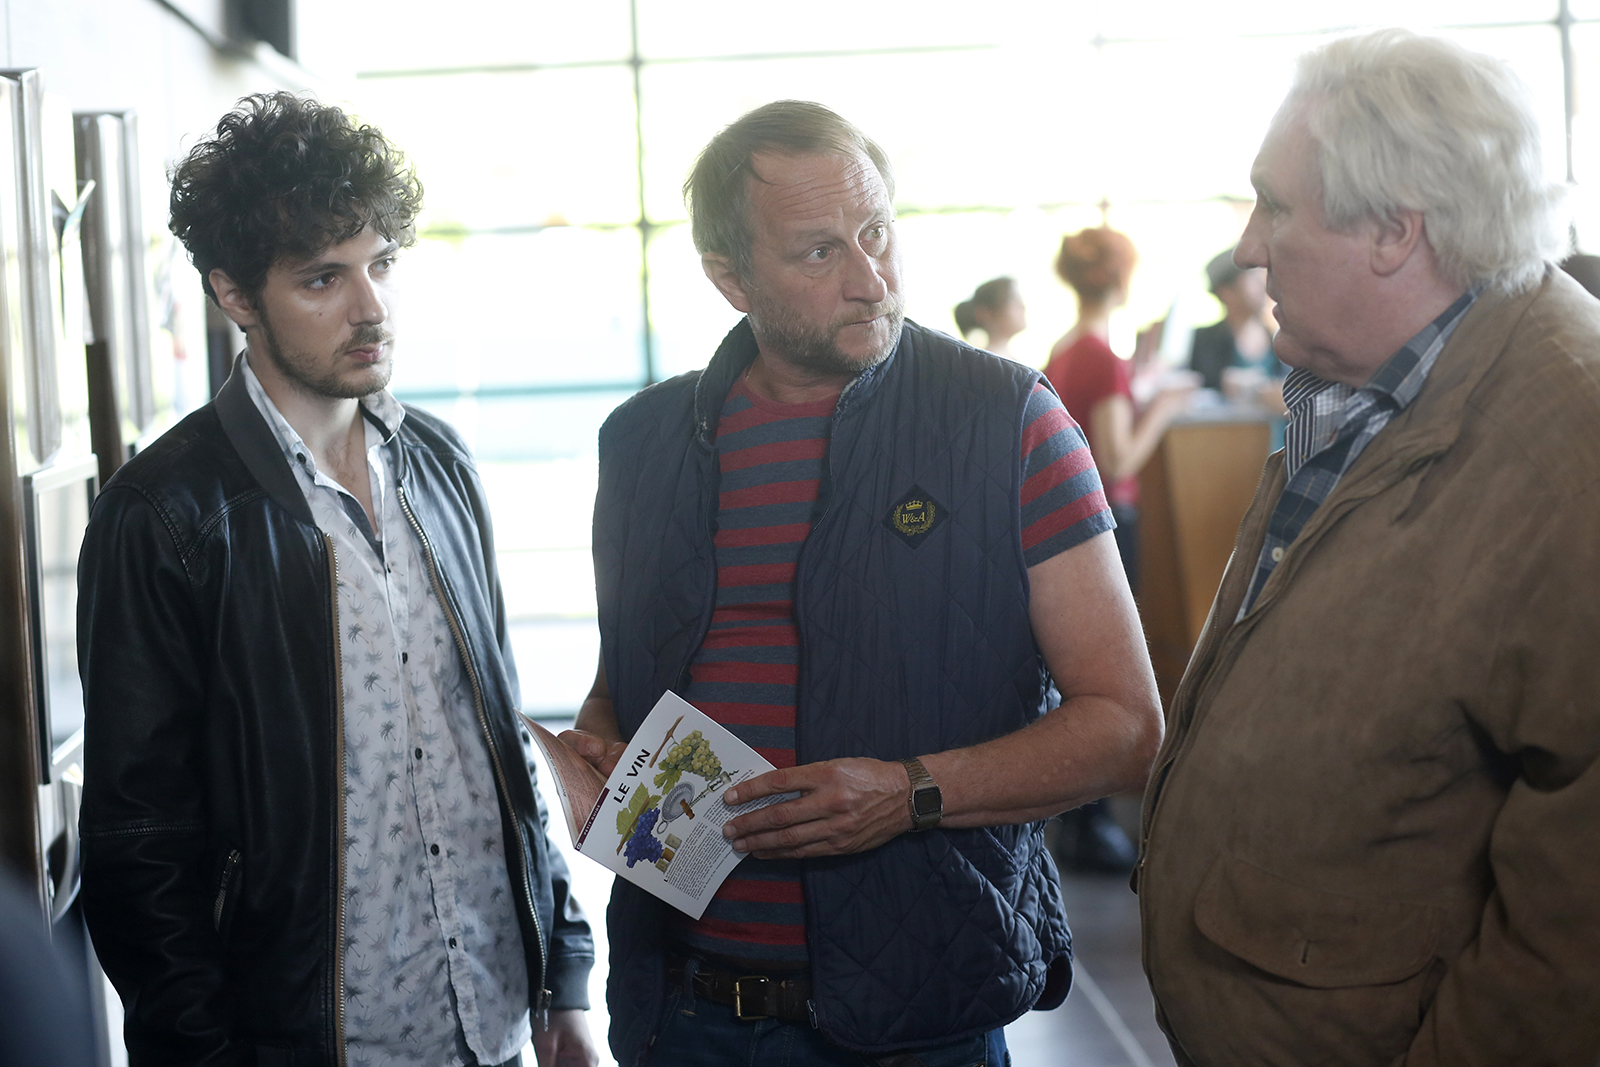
{"x": 1330, "y": 424}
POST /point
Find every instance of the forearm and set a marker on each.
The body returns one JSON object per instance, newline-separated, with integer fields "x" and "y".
{"x": 1088, "y": 748}
{"x": 1147, "y": 432}
{"x": 597, "y": 716}
{"x": 1101, "y": 739}
{"x": 595, "y": 735}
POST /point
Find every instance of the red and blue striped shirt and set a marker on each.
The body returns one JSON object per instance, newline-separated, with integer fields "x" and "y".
{"x": 744, "y": 675}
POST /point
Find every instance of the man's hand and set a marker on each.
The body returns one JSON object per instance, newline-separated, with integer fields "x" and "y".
{"x": 594, "y": 736}
{"x": 565, "y": 1041}
{"x": 601, "y": 754}
{"x": 845, "y": 805}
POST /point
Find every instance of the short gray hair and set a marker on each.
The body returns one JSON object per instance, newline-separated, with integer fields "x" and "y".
{"x": 1409, "y": 123}
{"x": 717, "y": 189}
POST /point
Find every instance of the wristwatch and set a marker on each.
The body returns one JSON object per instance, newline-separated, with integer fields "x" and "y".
{"x": 927, "y": 803}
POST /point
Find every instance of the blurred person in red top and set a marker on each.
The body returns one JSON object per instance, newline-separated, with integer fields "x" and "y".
{"x": 1095, "y": 384}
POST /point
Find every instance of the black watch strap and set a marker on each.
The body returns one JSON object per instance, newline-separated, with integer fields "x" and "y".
{"x": 927, "y": 803}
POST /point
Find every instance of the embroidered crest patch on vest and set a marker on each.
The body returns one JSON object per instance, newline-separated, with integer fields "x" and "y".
{"x": 914, "y": 516}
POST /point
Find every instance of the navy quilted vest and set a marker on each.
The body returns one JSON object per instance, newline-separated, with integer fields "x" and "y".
{"x": 909, "y": 643}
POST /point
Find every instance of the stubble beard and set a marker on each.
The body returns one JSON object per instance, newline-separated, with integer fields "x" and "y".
{"x": 300, "y": 369}
{"x": 780, "y": 331}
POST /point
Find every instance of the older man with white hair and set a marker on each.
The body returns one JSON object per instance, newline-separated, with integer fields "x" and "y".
{"x": 1373, "y": 832}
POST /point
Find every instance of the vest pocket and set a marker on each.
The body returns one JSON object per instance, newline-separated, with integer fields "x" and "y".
{"x": 1001, "y": 854}
{"x": 1309, "y": 936}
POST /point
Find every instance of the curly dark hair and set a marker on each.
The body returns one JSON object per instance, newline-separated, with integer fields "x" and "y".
{"x": 286, "y": 176}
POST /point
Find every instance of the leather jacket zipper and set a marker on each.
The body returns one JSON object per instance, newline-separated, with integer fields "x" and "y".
{"x": 338, "y": 807}
{"x": 224, "y": 883}
{"x": 483, "y": 724}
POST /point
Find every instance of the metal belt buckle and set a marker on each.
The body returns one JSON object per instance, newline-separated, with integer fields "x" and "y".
{"x": 739, "y": 995}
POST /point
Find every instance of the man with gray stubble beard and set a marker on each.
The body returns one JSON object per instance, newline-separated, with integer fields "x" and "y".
{"x": 883, "y": 559}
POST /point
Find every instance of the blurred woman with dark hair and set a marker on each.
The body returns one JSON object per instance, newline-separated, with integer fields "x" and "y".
{"x": 996, "y": 308}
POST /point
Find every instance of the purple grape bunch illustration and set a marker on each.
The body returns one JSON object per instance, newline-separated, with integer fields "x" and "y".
{"x": 642, "y": 844}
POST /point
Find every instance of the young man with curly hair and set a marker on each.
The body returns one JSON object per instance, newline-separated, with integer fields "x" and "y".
{"x": 311, "y": 832}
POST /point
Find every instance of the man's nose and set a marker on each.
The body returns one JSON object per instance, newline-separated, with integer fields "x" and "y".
{"x": 368, "y": 307}
{"x": 1251, "y": 251}
{"x": 864, "y": 280}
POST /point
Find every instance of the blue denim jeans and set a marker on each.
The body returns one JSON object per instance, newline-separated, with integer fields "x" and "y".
{"x": 694, "y": 1032}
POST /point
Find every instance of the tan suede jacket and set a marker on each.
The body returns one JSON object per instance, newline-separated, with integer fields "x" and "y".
{"x": 1373, "y": 832}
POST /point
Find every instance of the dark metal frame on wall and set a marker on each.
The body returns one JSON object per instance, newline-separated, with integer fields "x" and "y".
{"x": 19, "y": 752}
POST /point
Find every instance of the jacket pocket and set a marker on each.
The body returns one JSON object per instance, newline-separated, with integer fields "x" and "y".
{"x": 1309, "y": 936}
{"x": 227, "y": 893}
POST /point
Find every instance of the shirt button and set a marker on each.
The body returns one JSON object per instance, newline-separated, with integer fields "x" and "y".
{"x": 418, "y": 753}
{"x": 452, "y": 942}
{"x": 434, "y": 849}
{"x": 1277, "y": 554}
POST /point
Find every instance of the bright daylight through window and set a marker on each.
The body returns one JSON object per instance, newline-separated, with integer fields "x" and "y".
{"x": 553, "y": 140}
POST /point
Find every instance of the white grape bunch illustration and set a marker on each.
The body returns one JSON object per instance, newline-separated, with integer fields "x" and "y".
{"x": 694, "y": 754}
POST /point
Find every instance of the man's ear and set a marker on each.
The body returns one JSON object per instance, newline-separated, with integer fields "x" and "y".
{"x": 234, "y": 301}
{"x": 1394, "y": 240}
{"x": 727, "y": 281}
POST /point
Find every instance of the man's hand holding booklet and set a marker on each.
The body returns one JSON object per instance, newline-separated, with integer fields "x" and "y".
{"x": 657, "y": 820}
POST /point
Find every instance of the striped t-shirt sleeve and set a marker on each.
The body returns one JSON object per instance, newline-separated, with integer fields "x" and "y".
{"x": 1063, "y": 503}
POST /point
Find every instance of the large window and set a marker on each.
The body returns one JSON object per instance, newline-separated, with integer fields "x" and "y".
{"x": 555, "y": 275}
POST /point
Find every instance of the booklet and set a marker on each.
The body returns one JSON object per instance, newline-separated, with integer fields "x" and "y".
{"x": 657, "y": 821}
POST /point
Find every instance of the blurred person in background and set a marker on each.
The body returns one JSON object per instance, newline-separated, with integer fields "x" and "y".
{"x": 881, "y": 558}
{"x": 44, "y": 1009}
{"x": 1096, "y": 385}
{"x": 1242, "y": 339}
{"x": 996, "y": 308}
{"x": 1585, "y": 270}
{"x": 1373, "y": 835}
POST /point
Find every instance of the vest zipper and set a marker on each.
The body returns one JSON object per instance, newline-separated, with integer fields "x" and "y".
{"x": 483, "y": 724}
{"x": 710, "y": 483}
{"x": 338, "y": 804}
{"x": 825, "y": 494}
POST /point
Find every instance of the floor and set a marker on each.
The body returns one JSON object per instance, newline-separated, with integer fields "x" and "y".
{"x": 1108, "y": 1019}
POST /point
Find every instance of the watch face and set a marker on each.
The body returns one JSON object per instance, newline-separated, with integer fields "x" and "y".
{"x": 927, "y": 802}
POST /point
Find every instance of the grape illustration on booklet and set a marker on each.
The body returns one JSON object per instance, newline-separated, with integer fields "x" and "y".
{"x": 658, "y": 820}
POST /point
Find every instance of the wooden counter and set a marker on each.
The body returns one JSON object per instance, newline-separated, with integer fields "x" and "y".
{"x": 1193, "y": 493}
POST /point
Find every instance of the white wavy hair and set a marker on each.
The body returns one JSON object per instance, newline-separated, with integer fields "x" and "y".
{"x": 1410, "y": 123}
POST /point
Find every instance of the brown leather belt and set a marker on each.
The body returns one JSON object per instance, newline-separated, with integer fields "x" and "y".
{"x": 752, "y": 996}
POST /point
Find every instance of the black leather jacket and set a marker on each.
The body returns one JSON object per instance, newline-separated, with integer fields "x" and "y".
{"x": 213, "y": 806}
